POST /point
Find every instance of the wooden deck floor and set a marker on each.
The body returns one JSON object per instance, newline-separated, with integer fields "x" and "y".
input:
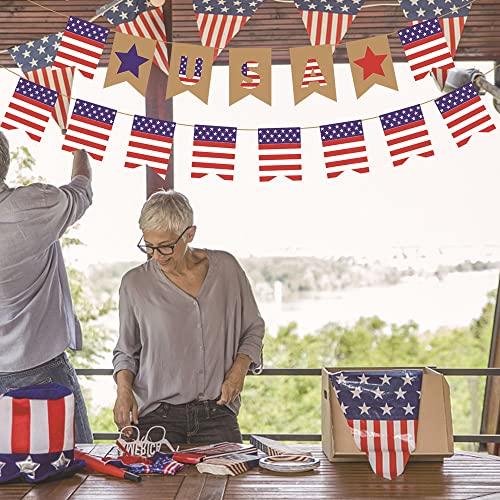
{"x": 464, "y": 476}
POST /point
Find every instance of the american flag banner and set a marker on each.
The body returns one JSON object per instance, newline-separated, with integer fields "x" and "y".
{"x": 327, "y": 21}
{"x": 381, "y": 409}
{"x": 35, "y": 59}
{"x": 452, "y": 18}
{"x": 219, "y": 21}
{"x": 89, "y": 127}
{"x": 464, "y": 114}
{"x": 247, "y": 70}
{"x": 406, "y": 134}
{"x": 30, "y": 109}
{"x": 280, "y": 154}
{"x": 150, "y": 144}
{"x": 344, "y": 148}
{"x": 214, "y": 151}
{"x": 198, "y": 68}
{"x": 425, "y": 48}
{"x": 313, "y": 73}
{"x": 141, "y": 18}
{"x": 81, "y": 46}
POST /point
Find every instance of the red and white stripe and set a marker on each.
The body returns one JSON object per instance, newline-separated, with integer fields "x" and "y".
{"x": 408, "y": 140}
{"x": 326, "y": 28}
{"x": 36, "y": 426}
{"x": 80, "y": 52}
{"x": 387, "y": 443}
{"x": 313, "y": 73}
{"x": 150, "y": 24}
{"x": 213, "y": 158}
{"x": 283, "y": 160}
{"x": 60, "y": 80}
{"x": 345, "y": 154}
{"x": 251, "y": 75}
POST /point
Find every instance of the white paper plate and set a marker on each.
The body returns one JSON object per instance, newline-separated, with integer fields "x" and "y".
{"x": 289, "y": 463}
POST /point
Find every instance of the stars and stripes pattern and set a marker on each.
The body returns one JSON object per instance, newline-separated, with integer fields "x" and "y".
{"x": 464, "y": 114}
{"x": 35, "y": 59}
{"x": 233, "y": 464}
{"x": 312, "y": 74}
{"x": 198, "y": 68}
{"x": 280, "y": 153}
{"x": 81, "y": 46}
{"x": 214, "y": 151}
{"x": 30, "y": 109}
{"x": 220, "y": 20}
{"x": 247, "y": 70}
{"x": 406, "y": 134}
{"x": 381, "y": 409}
{"x": 425, "y": 48}
{"x": 327, "y": 21}
{"x": 140, "y": 19}
{"x": 89, "y": 127}
{"x": 344, "y": 148}
{"x": 150, "y": 144}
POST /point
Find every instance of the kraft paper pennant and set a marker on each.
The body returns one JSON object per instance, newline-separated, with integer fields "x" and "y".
{"x": 312, "y": 71}
{"x": 190, "y": 70}
{"x": 130, "y": 61}
{"x": 371, "y": 63}
{"x": 250, "y": 74}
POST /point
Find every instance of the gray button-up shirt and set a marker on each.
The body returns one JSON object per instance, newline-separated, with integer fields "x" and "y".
{"x": 180, "y": 348}
{"x": 37, "y": 322}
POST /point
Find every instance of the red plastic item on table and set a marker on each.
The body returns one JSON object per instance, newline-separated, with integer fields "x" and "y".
{"x": 99, "y": 466}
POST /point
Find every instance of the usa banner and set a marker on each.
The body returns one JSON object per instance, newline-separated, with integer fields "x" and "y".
{"x": 381, "y": 409}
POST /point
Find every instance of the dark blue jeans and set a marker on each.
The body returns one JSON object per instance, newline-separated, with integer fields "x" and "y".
{"x": 60, "y": 371}
{"x": 195, "y": 422}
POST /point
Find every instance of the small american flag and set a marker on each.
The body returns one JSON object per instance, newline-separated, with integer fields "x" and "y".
{"x": 89, "y": 127}
{"x": 214, "y": 151}
{"x": 246, "y": 70}
{"x": 220, "y": 20}
{"x": 406, "y": 134}
{"x": 30, "y": 109}
{"x": 344, "y": 148}
{"x": 312, "y": 74}
{"x": 198, "y": 68}
{"x": 381, "y": 409}
{"x": 464, "y": 114}
{"x": 150, "y": 144}
{"x": 81, "y": 46}
{"x": 425, "y": 48}
{"x": 327, "y": 21}
{"x": 140, "y": 18}
{"x": 280, "y": 154}
{"x": 35, "y": 59}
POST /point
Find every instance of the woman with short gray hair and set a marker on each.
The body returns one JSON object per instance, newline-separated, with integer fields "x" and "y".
{"x": 189, "y": 331}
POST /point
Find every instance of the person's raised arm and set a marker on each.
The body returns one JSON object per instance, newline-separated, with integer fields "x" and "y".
{"x": 81, "y": 164}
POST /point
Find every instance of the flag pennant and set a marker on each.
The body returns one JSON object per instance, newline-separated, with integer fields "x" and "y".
{"x": 139, "y": 19}
{"x": 35, "y": 59}
{"x": 130, "y": 61}
{"x": 464, "y": 114}
{"x": 214, "y": 149}
{"x": 327, "y": 21}
{"x": 406, "y": 134}
{"x": 89, "y": 128}
{"x": 219, "y": 23}
{"x": 30, "y": 109}
{"x": 425, "y": 48}
{"x": 81, "y": 46}
{"x": 150, "y": 144}
{"x": 279, "y": 154}
{"x": 344, "y": 148}
{"x": 381, "y": 410}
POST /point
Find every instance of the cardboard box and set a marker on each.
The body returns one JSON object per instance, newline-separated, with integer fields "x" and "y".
{"x": 435, "y": 432}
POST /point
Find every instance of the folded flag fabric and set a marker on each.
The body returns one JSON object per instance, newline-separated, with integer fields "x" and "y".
{"x": 425, "y": 48}
{"x": 230, "y": 465}
{"x": 464, "y": 114}
{"x": 381, "y": 409}
{"x": 30, "y": 109}
{"x": 81, "y": 46}
{"x": 89, "y": 127}
{"x": 271, "y": 447}
{"x": 198, "y": 454}
{"x": 159, "y": 463}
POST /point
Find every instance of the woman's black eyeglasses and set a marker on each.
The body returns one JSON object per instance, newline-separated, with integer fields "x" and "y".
{"x": 161, "y": 249}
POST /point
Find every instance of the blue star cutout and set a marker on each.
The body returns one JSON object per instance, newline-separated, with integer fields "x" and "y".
{"x": 130, "y": 61}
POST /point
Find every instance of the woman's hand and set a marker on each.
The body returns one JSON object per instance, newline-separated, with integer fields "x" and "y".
{"x": 125, "y": 403}
{"x": 234, "y": 380}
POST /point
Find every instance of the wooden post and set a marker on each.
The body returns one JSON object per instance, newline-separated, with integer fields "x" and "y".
{"x": 158, "y": 107}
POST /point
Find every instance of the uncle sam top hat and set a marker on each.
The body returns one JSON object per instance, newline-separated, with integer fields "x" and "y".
{"x": 37, "y": 433}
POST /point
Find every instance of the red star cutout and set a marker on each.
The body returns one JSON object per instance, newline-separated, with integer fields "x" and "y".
{"x": 371, "y": 63}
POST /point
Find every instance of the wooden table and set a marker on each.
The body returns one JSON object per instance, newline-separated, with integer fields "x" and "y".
{"x": 464, "y": 476}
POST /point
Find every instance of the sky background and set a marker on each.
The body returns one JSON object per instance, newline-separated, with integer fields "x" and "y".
{"x": 447, "y": 203}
